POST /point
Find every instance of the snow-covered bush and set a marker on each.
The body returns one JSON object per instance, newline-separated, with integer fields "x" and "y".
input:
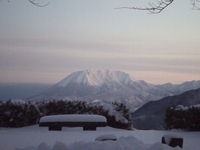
{"x": 181, "y": 117}
{"x": 18, "y": 113}
{"x": 117, "y": 114}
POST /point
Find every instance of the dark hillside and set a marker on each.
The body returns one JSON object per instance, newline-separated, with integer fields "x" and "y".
{"x": 151, "y": 115}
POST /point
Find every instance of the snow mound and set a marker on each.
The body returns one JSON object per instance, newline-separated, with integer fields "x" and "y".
{"x": 123, "y": 143}
{"x": 96, "y": 77}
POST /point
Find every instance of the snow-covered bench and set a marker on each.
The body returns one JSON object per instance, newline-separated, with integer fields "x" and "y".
{"x": 88, "y": 122}
{"x": 173, "y": 140}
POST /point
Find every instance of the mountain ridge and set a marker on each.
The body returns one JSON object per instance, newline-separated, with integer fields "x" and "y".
{"x": 151, "y": 114}
{"x": 107, "y": 86}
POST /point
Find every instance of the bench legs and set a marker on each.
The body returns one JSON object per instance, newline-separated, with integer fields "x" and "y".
{"x": 89, "y": 128}
{"x": 55, "y": 128}
{"x": 59, "y": 128}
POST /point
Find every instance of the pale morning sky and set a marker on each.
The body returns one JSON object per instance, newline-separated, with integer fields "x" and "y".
{"x": 44, "y": 45}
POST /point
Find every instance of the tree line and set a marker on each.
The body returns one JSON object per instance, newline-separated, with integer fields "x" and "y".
{"x": 186, "y": 118}
{"x": 20, "y": 114}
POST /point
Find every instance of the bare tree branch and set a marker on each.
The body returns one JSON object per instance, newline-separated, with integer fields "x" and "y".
{"x": 194, "y": 6}
{"x": 154, "y": 8}
{"x": 37, "y": 3}
{"x": 160, "y": 6}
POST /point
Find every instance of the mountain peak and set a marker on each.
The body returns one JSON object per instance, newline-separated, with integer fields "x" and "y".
{"x": 95, "y": 77}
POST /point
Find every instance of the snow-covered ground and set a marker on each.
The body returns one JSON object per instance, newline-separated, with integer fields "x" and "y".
{"x": 39, "y": 138}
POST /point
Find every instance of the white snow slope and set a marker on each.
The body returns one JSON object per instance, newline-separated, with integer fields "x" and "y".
{"x": 96, "y": 77}
{"x": 39, "y": 138}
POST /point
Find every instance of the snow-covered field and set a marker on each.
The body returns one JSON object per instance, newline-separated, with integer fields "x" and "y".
{"x": 39, "y": 138}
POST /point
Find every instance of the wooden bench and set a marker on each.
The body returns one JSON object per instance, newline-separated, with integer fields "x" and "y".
{"x": 88, "y": 122}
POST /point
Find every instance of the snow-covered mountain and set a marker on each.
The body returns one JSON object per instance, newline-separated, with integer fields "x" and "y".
{"x": 96, "y": 78}
{"x": 103, "y": 85}
{"x": 107, "y": 86}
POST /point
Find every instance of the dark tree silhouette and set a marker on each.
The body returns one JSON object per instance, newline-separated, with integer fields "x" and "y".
{"x": 161, "y": 5}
